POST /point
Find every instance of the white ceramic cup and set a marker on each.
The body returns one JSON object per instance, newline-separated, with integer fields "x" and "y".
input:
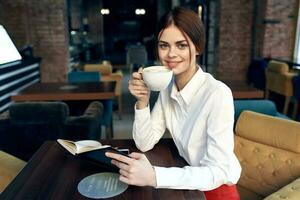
{"x": 157, "y": 78}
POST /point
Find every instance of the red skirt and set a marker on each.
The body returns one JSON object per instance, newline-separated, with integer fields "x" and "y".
{"x": 223, "y": 192}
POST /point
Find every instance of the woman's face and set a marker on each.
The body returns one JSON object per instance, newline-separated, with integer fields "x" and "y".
{"x": 175, "y": 51}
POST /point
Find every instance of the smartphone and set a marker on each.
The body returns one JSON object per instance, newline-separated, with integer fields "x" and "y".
{"x": 124, "y": 152}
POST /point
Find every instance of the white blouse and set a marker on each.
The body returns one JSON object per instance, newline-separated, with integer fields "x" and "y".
{"x": 200, "y": 119}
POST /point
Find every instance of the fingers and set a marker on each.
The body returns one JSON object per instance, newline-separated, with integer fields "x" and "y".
{"x": 136, "y": 170}
{"x": 137, "y": 75}
{"x": 138, "y": 88}
{"x": 136, "y": 155}
{"x": 140, "y": 70}
{"x": 122, "y": 166}
{"x": 125, "y": 180}
{"x": 124, "y": 173}
{"x": 137, "y": 85}
{"x": 118, "y": 157}
{"x": 137, "y": 82}
{"x": 138, "y": 91}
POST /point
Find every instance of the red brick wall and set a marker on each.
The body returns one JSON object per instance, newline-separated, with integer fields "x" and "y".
{"x": 279, "y": 36}
{"x": 234, "y": 39}
{"x": 15, "y": 24}
{"x": 260, "y": 28}
{"x": 43, "y": 24}
{"x": 76, "y": 14}
{"x": 271, "y": 39}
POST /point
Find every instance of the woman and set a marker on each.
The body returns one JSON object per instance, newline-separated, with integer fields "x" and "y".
{"x": 196, "y": 109}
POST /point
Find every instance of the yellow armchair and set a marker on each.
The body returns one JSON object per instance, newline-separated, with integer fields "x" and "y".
{"x": 268, "y": 149}
{"x": 107, "y": 75}
{"x": 280, "y": 80}
{"x": 10, "y": 166}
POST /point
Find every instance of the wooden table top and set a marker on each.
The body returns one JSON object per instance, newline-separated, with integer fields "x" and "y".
{"x": 53, "y": 173}
{"x": 241, "y": 90}
{"x": 67, "y": 91}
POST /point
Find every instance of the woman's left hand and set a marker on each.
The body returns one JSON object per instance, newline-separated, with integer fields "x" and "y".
{"x": 136, "y": 170}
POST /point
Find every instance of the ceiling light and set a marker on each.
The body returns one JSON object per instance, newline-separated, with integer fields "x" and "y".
{"x": 104, "y": 11}
{"x": 140, "y": 11}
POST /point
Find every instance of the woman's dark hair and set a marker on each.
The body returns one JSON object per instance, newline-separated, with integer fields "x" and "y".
{"x": 188, "y": 22}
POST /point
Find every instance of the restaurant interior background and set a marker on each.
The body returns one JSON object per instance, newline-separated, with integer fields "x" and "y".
{"x": 62, "y": 31}
{"x": 66, "y": 34}
{"x": 246, "y": 39}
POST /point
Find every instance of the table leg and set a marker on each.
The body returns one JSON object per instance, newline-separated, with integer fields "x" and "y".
{"x": 109, "y": 131}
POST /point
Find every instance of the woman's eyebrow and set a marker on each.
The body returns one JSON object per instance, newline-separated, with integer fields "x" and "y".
{"x": 161, "y": 41}
{"x": 181, "y": 41}
{"x": 177, "y": 42}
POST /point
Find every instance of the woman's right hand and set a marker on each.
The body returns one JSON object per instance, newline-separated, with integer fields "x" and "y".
{"x": 139, "y": 90}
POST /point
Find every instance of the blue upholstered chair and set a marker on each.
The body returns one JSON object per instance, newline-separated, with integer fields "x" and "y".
{"x": 106, "y": 120}
{"x": 80, "y": 76}
{"x": 261, "y": 106}
{"x": 27, "y": 125}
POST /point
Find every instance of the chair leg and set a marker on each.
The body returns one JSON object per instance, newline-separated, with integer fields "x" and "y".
{"x": 120, "y": 107}
{"x": 109, "y": 131}
{"x": 267, "y": 93}
{"x": 286, "y": 105}
{"x": 295, "y": 109}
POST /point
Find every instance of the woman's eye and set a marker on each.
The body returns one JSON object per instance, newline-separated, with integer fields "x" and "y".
{"x": 182, "y": 46}
{"x": 163, "y": 46}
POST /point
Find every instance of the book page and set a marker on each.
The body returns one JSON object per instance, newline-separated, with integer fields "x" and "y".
{"x": 69, "y": 145}
{"x": 88, "y": 145}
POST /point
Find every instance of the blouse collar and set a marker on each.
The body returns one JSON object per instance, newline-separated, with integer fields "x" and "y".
{"x": 191, "y": 88}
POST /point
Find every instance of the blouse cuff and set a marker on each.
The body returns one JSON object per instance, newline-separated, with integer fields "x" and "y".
{"x": 162, "y": 178}
{"x": 141, "y": 113}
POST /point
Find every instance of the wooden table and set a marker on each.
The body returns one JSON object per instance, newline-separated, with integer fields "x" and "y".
{"x": 53, "y": 173}
{"x": 69, "y": 92}
{"x": 66, "y": 91}
{"x": 241, "y": 90}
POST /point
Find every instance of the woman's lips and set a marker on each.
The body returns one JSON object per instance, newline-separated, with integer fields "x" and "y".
{"x": 172, "y": 64}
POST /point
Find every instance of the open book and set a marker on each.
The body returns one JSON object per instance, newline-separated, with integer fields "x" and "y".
{"x": 92, "y": 150}
{"x": 81, "y": 146}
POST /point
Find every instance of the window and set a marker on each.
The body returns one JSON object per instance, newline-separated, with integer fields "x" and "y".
{"x": 8, "y": 51}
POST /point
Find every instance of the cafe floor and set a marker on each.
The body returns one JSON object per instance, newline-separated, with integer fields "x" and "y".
{"x": 123, "y": 128}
